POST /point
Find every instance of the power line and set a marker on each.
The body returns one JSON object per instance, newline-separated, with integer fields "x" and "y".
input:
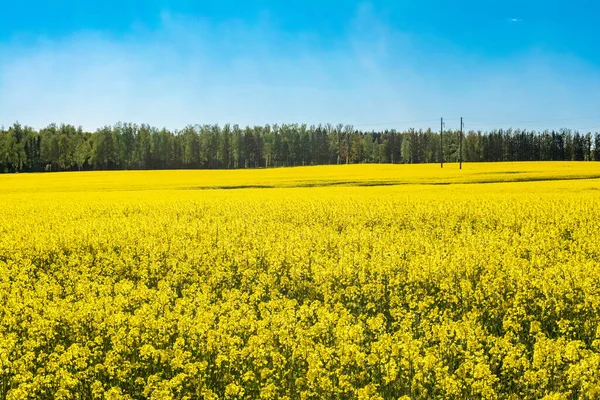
{"x": 487, "y": 127}
{"x": 589, "y": 127}
{"x": 396, "y": 123}
{"x": 481, "y": 123}
{"x": 487, "y": 121}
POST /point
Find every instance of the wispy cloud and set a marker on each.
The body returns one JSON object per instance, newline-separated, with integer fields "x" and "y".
{"x": 514, "y": 20}
{"x": 192, "y": 71}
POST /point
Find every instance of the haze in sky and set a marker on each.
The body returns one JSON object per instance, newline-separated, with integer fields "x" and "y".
{"x": 376, "y": 65}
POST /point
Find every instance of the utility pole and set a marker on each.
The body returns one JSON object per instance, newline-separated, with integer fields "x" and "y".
{"x": 461, "y": 141}
{"x": 442, "y": 142}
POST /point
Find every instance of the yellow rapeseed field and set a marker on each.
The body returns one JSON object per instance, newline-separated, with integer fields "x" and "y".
{"x": 339, "y": 282}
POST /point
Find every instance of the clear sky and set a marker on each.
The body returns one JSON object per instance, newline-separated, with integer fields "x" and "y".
{"x": 378, "y": 64}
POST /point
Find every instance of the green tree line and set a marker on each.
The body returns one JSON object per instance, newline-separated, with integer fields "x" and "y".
{"x": 130, "y": 146}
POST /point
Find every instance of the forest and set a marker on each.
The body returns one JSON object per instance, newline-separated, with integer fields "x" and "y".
{"x": 126, "y": 146}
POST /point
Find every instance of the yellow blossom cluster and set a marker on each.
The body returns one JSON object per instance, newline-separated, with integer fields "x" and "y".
{"x": 403, "y": 291}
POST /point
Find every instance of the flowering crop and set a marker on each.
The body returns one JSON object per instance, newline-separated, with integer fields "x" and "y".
{"x": 139, "y": 285}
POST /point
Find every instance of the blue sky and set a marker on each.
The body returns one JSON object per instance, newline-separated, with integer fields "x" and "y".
{"x": 377, "y": 64}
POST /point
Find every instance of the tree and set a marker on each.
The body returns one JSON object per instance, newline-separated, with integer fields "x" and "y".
{"x": 104, "y": 149}
{"x": 407, "y": 150}
{"x": 238, "y": 147}
{"x": 588, "y": 146}
{"x": 11, "y": 152}
{"x": 49, "y": 150}
{"x": 356, "y": 148}
{"x": 226, "y": 147}
{"x": 126, "y": 144}
{"x": 191, "y": 147}
{"x": 129, "y": 146}
{"x": 368, "y": 148}
{"x": 335, "y": 142}
{"x": 143, "y": 148}
{"x": 82, "y": 153}
{"x": 578, "y": 147}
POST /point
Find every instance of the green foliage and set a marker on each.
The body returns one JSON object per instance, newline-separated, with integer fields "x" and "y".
{"x": 129, "y": 146}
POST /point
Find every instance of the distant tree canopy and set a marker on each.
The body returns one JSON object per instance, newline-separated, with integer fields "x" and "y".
{"x": 131, "y": 146}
